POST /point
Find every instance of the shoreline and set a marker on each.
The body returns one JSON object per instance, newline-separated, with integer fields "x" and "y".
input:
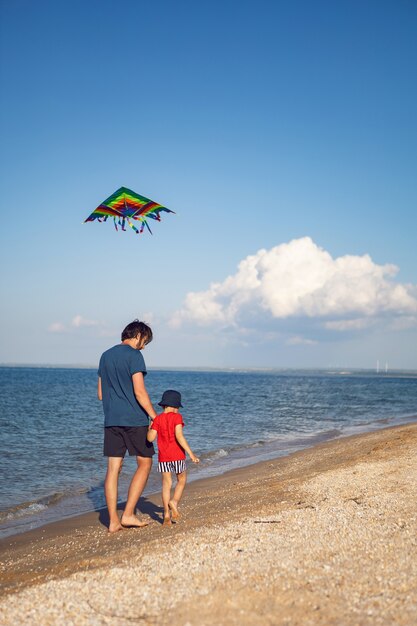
{"x": 269, "y": 451}
{"x": 332, "y": 526}
{"x": 55, "y": 527}
{"x": 149, "y": 506}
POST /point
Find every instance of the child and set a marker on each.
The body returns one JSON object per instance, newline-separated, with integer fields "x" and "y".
{"x": 172, "y": 446}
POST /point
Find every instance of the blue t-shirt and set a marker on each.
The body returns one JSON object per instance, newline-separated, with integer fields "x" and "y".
{"x": 116, "y": 369}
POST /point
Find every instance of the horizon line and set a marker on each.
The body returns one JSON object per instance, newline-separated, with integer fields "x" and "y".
{"x": 337, "y": 368}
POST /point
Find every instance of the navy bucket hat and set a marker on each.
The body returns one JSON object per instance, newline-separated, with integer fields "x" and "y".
{"x": 170, "y": 397}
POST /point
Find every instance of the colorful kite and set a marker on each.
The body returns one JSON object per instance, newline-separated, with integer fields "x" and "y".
{"x": 125, "y": 205}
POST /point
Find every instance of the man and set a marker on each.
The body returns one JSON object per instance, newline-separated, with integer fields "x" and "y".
{"x": 126, "y": 407}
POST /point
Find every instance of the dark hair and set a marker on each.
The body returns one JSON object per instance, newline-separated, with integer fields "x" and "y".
{"x": 136, "y": 328}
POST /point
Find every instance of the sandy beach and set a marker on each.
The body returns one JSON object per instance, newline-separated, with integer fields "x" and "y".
{"x": 324, "y": 536}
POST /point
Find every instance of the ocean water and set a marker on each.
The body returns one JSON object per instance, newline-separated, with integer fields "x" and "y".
{"x": 51, "y": 462}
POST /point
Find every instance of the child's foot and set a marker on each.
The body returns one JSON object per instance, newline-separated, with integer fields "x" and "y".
{"x": 131, "y": 521}
{"x": 167, "y": 521}
{"x": 174, "y": 511}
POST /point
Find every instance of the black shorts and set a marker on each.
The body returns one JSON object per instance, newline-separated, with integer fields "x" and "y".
{"x": 118, "y": 439}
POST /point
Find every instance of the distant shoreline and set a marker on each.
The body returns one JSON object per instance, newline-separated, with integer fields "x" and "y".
{"x": 342, "y": 371}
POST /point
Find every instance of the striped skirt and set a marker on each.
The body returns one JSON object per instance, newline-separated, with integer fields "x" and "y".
{"x": 172, "y": 466}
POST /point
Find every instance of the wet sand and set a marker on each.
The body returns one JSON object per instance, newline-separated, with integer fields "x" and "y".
{"x": 324, "y": 536}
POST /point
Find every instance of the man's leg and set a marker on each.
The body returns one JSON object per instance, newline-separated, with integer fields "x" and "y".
{"x": 114, "y": 465}
{"x": 139, "y": 480}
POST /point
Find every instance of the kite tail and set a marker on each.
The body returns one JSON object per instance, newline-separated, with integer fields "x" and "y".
{"x": 131, "y": 226}
{"x": 115, "y": 225}
{"x": 147, "y": 226}
{"x": 123, "y": 224}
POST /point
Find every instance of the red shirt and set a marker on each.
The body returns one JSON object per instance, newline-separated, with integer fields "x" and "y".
{"x": 168, "y": 447}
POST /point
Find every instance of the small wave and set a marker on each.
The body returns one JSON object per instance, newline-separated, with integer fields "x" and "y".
{"x": 383, "y": 420}
{"x": 277, "y": 441}
{"x": 218, "y": 454}
{"x": 30, "y": 508}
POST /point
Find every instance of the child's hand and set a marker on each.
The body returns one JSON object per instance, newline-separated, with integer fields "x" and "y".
{"x": 194, "y": 458}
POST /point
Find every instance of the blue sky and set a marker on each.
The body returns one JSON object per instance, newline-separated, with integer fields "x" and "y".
{"x": 288, "y": 128}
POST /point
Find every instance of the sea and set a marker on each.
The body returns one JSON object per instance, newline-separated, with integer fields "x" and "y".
{"x": 51, "y": 462}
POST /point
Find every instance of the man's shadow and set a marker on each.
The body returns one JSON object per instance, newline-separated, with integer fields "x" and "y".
{"x": 144, "y": 506}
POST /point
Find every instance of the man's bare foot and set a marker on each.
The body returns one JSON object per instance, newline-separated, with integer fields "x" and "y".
{"x": 114, "y": 527}
{"x": 131, "y": 521}
{"x": 174, "y": 511}
{"x": 167, "y": 521}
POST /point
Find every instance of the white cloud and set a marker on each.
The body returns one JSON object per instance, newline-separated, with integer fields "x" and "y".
{"x": 300, "y": 341}
{"x": 149, "y": 317}
{"x": 403, "y": 323}
{"x": 79, "y": 321}
{"x": 300, "y": 280}
{"x": 342, "y": 325}
{"x": 57, "y": 327}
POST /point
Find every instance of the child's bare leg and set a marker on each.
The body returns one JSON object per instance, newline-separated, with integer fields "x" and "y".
{"x": 166, "y": 495}
{"x": 179, "y": 488}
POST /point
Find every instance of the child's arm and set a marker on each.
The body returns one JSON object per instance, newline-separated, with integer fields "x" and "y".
{"x": 184, "y": 444}
{"x": 151, "y": 435}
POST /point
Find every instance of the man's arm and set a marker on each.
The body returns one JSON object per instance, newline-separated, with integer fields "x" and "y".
{"x": 142, "y": 395}
{"x": 99, "y": 392}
